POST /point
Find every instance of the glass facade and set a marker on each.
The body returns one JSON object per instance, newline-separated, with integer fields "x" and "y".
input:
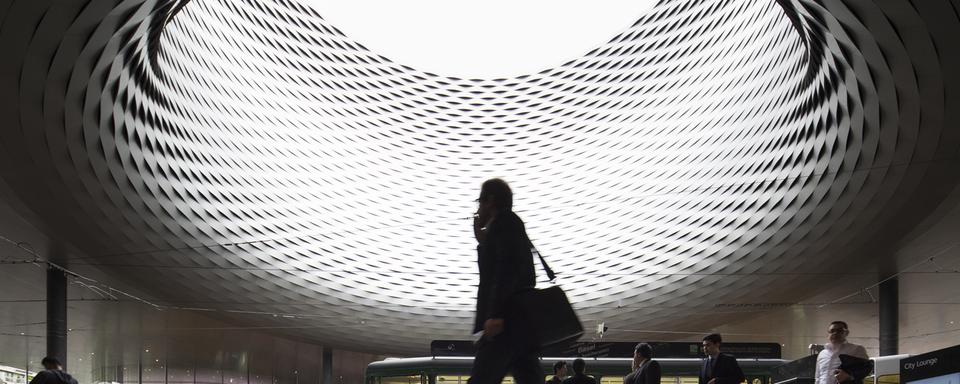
{"x": 123, "y": 342}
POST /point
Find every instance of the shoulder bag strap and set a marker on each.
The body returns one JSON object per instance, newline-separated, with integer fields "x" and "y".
{"x": 546, "y": 268}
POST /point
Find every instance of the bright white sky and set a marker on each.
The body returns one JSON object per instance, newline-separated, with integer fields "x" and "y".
{"x": 482, "y": 39}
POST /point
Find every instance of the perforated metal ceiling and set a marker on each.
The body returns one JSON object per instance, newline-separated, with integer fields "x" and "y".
{"x": 248, "y": 155}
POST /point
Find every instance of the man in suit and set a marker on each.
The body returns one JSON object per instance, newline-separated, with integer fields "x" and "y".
{"x": 580, "y": 374}
{"x": 506, "y": 267}
{"x": 645, "y": 370}
{"x": 719, "y": 368}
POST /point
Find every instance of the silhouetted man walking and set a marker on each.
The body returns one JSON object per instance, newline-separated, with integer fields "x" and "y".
{"x": 506, "y": 267}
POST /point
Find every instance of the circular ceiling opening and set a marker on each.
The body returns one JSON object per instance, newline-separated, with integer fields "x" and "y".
{"x": 482, "y": 39}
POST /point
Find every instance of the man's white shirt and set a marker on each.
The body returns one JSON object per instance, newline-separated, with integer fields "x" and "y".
{"x": 829, "y": 359}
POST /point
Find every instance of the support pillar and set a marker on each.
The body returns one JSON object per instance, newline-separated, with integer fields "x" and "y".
{"x": 57, "y": 314}
{"x": 327, "y": 365}
{"x": 26, "y": 370}
{"x": 889, "y": 317}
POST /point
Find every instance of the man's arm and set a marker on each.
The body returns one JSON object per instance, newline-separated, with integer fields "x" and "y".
{"x": 652, "y": 373}
{"x": 505, "y": 238}
{"x": 732, "y": 374}
{"x": 817, "y": 368}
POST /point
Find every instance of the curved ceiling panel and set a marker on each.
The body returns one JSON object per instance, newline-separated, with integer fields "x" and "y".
{"x": 251, "y": 156}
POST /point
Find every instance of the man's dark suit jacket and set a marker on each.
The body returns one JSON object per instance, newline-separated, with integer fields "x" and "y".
{"x": 725, "y": 369}
{"x": 647, "y": 373}
{"x": 53, "y": 376}
{"x": 580, "y": 379}
{"x": 506, "y": 266}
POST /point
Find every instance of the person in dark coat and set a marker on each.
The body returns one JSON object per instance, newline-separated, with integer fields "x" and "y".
{"x": 506, "y": 267}
{"x": 559, "y": 372}
{"x": 719, "y": 368}
{"x": 645, "y": 370}
{"x": 52, "y": 373}
{"x": 579, "y": 374}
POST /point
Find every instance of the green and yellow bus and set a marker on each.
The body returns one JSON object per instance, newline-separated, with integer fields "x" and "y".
{"x": 607, "y": 370}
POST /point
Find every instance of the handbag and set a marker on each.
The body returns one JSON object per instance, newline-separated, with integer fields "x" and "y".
{"x": 857, "y": 367}
{"x": 546, "y": 313}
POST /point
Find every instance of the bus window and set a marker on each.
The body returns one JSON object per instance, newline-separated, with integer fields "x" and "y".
{"x": 619, "y": 380}
{"x": 451, "y": 379}
{"x": 888, "y": 379}
{"x": 412, "y": 379}
{"x": 611, "y": 380}
{"x": 689, "y": 380}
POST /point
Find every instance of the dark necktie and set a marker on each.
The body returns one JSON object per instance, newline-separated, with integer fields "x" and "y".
{"x": 710, "y": 361}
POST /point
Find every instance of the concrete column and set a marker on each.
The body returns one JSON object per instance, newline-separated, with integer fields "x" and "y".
{"x": 327, "y": 365}
{"x": 26, "y": 360}
{"x": 57, "y": 314}
{"x": 889, "y": 317}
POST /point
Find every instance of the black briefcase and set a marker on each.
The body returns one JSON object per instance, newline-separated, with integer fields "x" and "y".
{"x": 858, "y": 368}
{"x": 546, "y": 314}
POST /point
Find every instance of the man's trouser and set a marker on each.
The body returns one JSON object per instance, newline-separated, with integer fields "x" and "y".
{"x": 506, "y": 353}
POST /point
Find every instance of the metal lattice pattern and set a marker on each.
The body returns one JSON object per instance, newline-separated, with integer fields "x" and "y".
{"x": 250, "y": 153}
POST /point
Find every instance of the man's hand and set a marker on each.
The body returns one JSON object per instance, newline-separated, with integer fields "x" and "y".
{"x": 712, "y": 381}
{"x": 841, "y": 375}
{"x": 492, "y": 327}
{"x": 478, "y": 229}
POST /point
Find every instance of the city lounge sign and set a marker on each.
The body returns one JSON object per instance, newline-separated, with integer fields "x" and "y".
{"x": 920, "y": 364}
{"x": 931, "y": 364}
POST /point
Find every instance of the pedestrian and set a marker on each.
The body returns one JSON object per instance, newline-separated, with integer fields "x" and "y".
{"x": 52, "y": 373}
{"x": 828, "y": 360}
{"x": 579, "y": 374}
{"x": 506, "y": 268}
{"x": 719, "y": 368}
{"x": 644, "y": 369}
{"x": 559, "y": 372}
